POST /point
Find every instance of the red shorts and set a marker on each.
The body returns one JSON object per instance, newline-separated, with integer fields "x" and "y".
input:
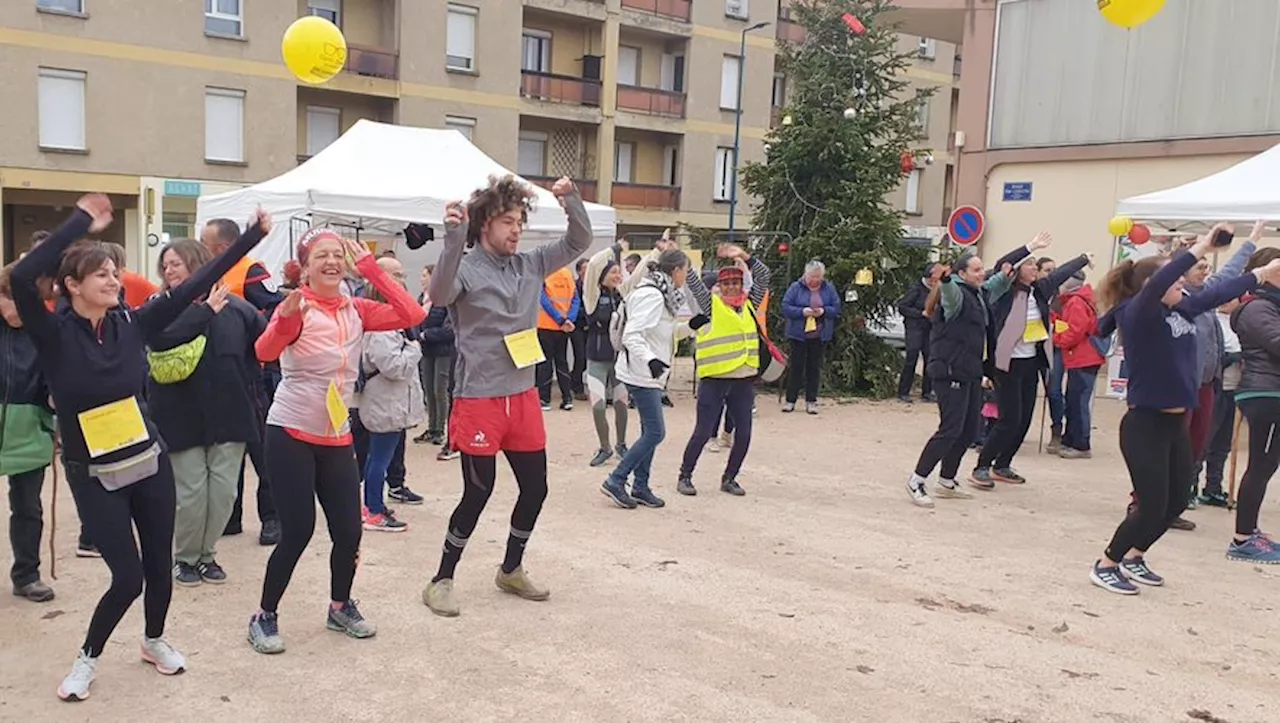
{"x": 484, "y": 427}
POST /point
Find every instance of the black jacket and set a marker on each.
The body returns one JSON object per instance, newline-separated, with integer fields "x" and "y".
{"x": 1043, "y": 291}
{"x": 911, "y": 307}
{"x": 21, "y": 377}
{"x": 217, "y": 403}
{"x": 436, "y": 333}
{"x": 89, "y": 367}
{"x": 599, "y": 346}
{"x": 1258, "y": 325}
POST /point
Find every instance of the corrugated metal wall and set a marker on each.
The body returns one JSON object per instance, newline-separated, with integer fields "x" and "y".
{"x": 1201, "y": 68}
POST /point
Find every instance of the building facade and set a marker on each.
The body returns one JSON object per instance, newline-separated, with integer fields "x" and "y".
{"x": 158, "y": 103}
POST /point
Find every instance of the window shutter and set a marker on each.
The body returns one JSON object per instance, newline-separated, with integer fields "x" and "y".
{"x": 224, "y": 125}
{"x": 61, "y": 109}
{"x": 324, "y": 125}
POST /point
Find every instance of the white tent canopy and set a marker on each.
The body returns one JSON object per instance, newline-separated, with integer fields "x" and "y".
{"x": 1247, "y": 191}
{"x": 381, "y": 177}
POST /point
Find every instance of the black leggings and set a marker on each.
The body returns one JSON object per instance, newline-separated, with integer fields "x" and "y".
{"x": 1263, "y": 414}
{"x": 300, "y": 474}
{"x": 1157, "y": 450}
{"x": 959, "y": 415}
{"x": 478, "y": 477}
{"x": 1016, "y": 399}
{"x": 110, "y": 518}
{"x": 806, "y": 366}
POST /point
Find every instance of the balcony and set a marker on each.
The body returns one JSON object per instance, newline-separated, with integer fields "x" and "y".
{"x": 640, "y": 195}
{"x": 673, "y": 9}
{"x": 372, "y": 63}
{"x": 585, "y": 187}
{"x": 555, "y": 88}
{"x": 651, "y": 101}
{"x": 790, "y": 31}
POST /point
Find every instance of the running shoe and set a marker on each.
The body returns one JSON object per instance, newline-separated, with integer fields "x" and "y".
{"x": 811, "y": 408}
{"x": 1214, "y": 498}
{"x": 731, "y": 486}
{"x": 1256, "y": 548}
{"x": 789, "y": 407}
{"x": 518, "y": 583}
{"x": 270, "y": 534}
{"x": 85, "y": 550}
{"x": 438, "y": 596}
{"x": 905, "y": 399}
{"x": 566, "y": 405}
{"x": 618, "y": 494}
{"x": 76, "y": 685}
{"x": 404, "y": 495}
{"x": 621, "y": 449}
{"x": 1182, "y": 523}
{"x": 919, "y": 495}
{"x": 264, "y": 634}
{"x": 546, "y": 406}
{"x": 646, "y": 497}
{"x": 982, "y": 479}
{"x": 1111, "y": 579}
{"x": 685, "y": 487}
{"x": 666, "y": 402}
{"x": 161, "y": 654}
{"x": 1073, "y": 453}
{"x": 384, "y": 521}
{"x": 447, "y": 453}
{"x": 425, "y": 438}
{"x": 602, "y": 455}
{"x": 347, "y": 619}
{"x": 1136, "y": 569}
{"x": 212, "y": 572}
{"x": 949, "y": 489}
{"x": 186, "y": 575}
{"x": 1007, "y": 474}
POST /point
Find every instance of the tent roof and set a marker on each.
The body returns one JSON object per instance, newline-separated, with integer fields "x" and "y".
{"x": 1246, "y": 191}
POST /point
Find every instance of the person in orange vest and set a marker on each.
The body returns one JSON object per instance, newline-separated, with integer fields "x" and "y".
{"x": 560, "y": 304}
{"x": 135, "y": 289}
{"x": 249, "y": 280}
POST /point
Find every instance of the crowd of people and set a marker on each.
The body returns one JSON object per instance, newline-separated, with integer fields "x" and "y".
{"x": 158, "y": 396}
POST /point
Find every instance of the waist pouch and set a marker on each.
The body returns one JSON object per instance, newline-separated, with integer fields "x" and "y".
{"x": 115, "y": 475}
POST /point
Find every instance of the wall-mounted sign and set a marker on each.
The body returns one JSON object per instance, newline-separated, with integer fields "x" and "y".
{"x": 1017, "y": 191}
{"x": 188, "y": 189}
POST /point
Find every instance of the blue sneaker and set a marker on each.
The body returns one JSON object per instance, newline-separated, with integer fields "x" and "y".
{"x": 618, "y": 494}
{"x": 1112, "y": 579}
{"x": 646, "y": 497}
{"x": 1256, "y": 548}
{"x": 1136, "y": 569}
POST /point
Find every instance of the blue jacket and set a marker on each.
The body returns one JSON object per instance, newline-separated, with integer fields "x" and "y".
{"x": 795, "y": 301}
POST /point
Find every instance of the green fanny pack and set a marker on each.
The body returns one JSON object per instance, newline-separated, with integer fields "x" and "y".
{"x": 177, "y": 364}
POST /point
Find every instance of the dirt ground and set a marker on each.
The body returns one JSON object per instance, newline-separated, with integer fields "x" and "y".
{"x": 821, "y": 595}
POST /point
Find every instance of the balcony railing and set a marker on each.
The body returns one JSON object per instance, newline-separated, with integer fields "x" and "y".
{"x": 674, "y": 9}
{"x": 373, "y": 63}
{"x": 585, "y": 187}
{"x": 790, "y": 32}
{"x": 651, "y": 100}
{"x": 559, "y": 88}
{"x": 639, "y": 195}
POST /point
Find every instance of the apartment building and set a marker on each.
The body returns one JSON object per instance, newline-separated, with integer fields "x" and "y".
{"x": 158, "y": 103}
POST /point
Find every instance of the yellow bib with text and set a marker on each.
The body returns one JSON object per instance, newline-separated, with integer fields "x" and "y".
{"x": 112, "y": 427}
{"x": 524, "y": 348}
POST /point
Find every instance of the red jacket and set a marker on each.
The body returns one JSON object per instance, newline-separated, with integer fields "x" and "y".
{"x": 1080, "y": 314}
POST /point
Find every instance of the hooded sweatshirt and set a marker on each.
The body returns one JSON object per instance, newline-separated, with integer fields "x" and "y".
{"x": 1080, "y": 317}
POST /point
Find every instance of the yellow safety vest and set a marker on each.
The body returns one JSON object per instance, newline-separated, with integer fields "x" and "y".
{"x": 729, "y": 342}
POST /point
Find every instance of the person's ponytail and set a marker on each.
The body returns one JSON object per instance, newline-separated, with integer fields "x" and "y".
{"x": 1125, "y": 280}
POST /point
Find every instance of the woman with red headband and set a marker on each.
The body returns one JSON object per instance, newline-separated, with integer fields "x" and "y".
{"x": 317, "y": 333}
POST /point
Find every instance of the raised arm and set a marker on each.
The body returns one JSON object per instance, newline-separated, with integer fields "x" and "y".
{"x": 43, "y": 260}
{"x": 1052, "y": 283}
{"x": 761, "y": 275}
{"x": 950, "y": 296}
{"x": 699, "y": 291}
{"x": 1235, "y": 265}
{"x": 445, "y": 286}
{"x": 576, "y": 240}
{"x": 400, "y": 311}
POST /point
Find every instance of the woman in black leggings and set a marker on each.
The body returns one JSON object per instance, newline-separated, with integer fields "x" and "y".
{"x": 1257, "y": 322}
{"x": 92, "y": 351}
{"x": 1157, "y": 324}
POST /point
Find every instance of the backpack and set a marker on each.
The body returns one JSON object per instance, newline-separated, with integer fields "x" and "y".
{"x": 1102, "y": 344}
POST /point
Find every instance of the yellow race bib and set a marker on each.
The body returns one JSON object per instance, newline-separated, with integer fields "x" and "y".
{"x": 524, "y": 348}
{"x": 335, "y": 406}
{"x": 1034, "y": 332}
{"x": 112, "y": 427}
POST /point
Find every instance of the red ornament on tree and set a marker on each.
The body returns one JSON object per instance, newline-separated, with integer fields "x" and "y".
{"x": 854, "y": 25}
{"x": 908, "y": 163}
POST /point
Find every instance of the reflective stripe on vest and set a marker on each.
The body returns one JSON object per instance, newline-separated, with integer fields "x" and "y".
{"x": 729, "y": 342}
{"x": 560, "y": 290}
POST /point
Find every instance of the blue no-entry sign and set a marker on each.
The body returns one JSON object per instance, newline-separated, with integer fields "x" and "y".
{"x": 966, "y": 225}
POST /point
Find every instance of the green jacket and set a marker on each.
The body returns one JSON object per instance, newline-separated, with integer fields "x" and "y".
{"x": 26, "y": 438}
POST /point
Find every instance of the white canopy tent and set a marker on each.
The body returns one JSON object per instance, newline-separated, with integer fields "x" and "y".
{"x": 1247, "y": 191}
{"x": 378, "y": 178}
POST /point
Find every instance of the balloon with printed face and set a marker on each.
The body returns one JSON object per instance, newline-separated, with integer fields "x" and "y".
{"x": 314, "y": 49}
{"x": 1129, "y": 13}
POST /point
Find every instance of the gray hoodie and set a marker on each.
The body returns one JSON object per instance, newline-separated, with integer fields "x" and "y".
{"x": 1208, "y": 334}
{"x": 491, "y": 296}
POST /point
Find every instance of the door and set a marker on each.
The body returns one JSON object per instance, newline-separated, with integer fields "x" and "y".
{"x": 623, "y": 156}
{"x": 670, "y": 158}
{"x": 628, "y": 65}
{"x": 536, "y": 52}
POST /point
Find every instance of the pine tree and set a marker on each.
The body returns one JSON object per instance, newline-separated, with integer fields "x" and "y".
{"x": 829, "y": 165}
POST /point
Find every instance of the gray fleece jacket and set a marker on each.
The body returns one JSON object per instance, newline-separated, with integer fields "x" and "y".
{"x": 1208, "y": 333}
{"x": 490, "y": 296}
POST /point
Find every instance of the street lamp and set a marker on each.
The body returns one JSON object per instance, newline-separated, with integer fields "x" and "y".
{"x": 737, "y": 123}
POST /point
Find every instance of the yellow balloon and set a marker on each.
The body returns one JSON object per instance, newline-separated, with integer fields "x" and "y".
{"x": 314, "y": 49}
{"x": 1120, "y": 225}
{"x": 1129, "y": 13}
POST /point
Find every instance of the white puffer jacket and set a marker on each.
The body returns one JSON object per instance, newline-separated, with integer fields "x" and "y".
{"x": 651, "y": 332}
{"x": 392, "y": 397}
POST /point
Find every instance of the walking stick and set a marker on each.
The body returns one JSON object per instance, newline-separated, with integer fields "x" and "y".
{"x": 1235, "y": 452}
{"x": 53, "y": 515}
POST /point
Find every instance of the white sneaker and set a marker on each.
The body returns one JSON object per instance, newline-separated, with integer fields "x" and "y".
{"x": 919, "y": 495}
{"x": 76, "y": 685}
{"x": 951, "y": 491}
{"x": 161, "y": 654}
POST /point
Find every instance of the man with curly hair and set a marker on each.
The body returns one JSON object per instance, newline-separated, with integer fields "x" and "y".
{"x": 493, "y": 294}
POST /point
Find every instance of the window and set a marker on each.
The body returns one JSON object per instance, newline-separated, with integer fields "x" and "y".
{"x": 61, "y": 109}
{"x": 330, "y": 10}
{"x": 922, "y": 116}
{"x": 222, "y": 17}
{"x": 465, "y": 126}
{"x": 736, "y": 8}
{"x": 779, "y": 98}
{"x": 729, "y": 82}
{"x": 531, "y": 157}
{"x": 324, "y": 125}
{"x": 913, "y": 192}
{"x": 724, "y": 174}
{"x": 66, "y": 6}
{"x": 671, "y": 73}
{"x": 928, "y": 48}
{"x": 224, "y": 125}
{"x": 628, "y": 65}
{"x": 624, "y": 155}
{"x": 460, "y": 41}
{"x": 536, "y": 51}
{"x": 670, "y": 161}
